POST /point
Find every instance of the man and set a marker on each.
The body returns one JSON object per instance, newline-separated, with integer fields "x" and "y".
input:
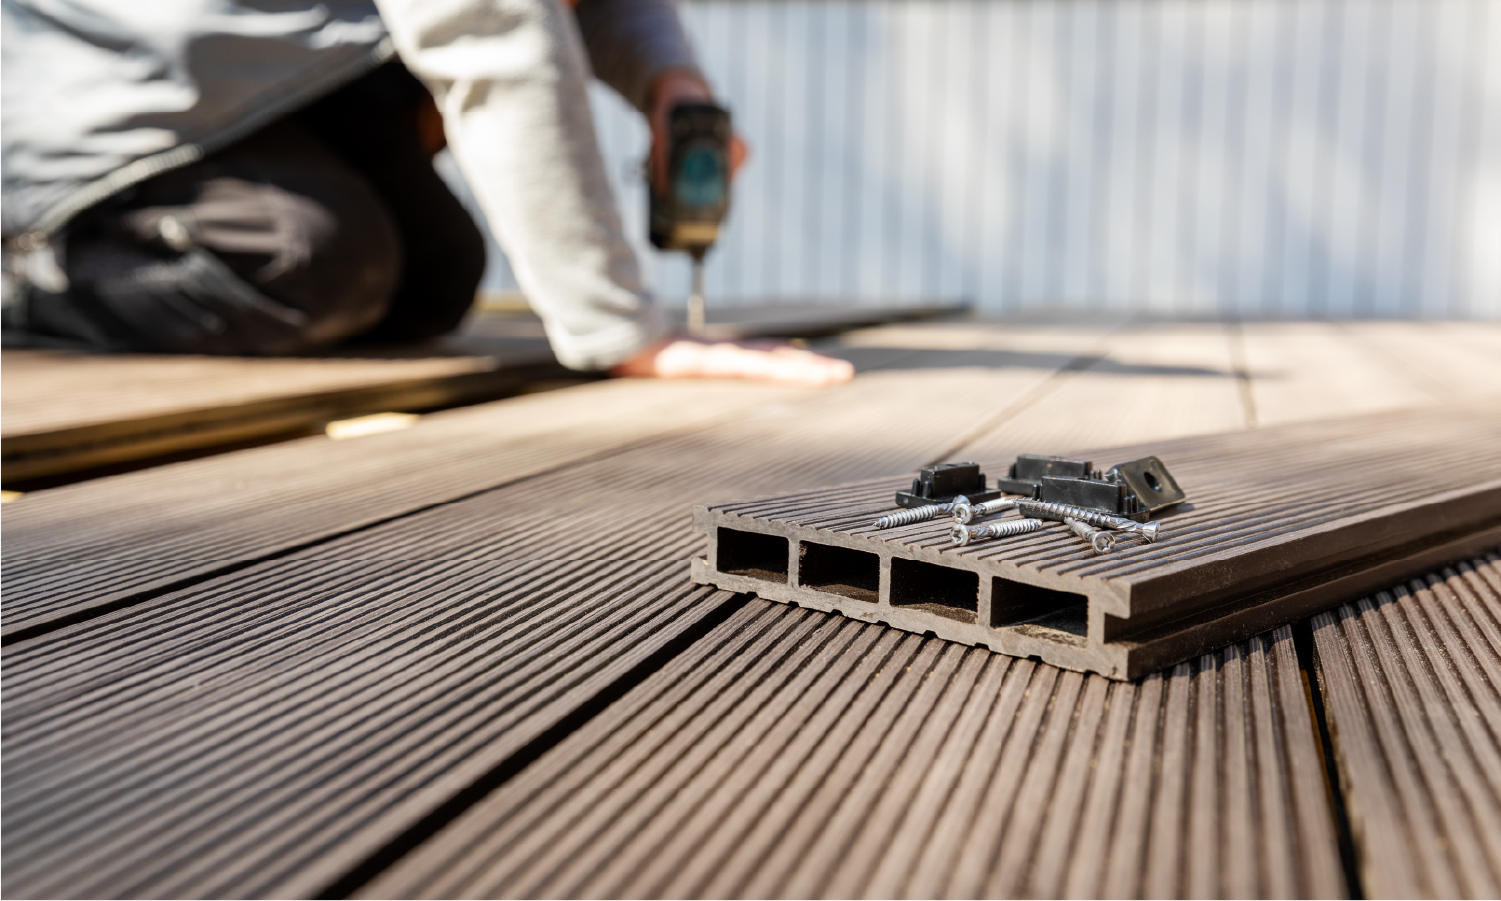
{"x": 254, "y": 176}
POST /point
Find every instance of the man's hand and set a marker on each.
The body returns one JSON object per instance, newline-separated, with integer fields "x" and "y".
{"x": 667, "y": 90}
{"x": 696, "y": 358}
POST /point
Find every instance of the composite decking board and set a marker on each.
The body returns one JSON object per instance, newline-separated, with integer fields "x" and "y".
{"x": 119, "y": 538}
{"x": 786, "y": 318}
{"x": 67, "y": 413}
{"x": 648, "y": 525}
{"x": 67, "y": 410}
{"x": 790, "y": 753}
{"x": 1409, "y": 680}
{"x": 1280, "y": 521}
{"x": 53, "y": 392}
{"x": 125, "y": 537}
{"x": 1303, "y": 371}
{"x": 1181, "y": 379}
{"x": 74, "y": 690}
{"x": 263, "y": 734}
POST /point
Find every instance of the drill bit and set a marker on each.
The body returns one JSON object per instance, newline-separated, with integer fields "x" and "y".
{"x": 696, "y": 298}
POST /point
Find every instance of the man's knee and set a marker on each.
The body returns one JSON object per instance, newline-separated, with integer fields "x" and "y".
{"x": 304, "y": 230}
{"x": 270, "y": 248}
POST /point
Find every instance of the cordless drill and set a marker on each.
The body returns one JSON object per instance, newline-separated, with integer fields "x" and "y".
{"x": 687, "y": 210}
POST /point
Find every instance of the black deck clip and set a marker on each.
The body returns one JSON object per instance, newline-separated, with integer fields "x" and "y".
{"x": 1136, "y": 490}
{"x": 942, "y": 483}
{"x": 1149, "y": 480}
{"x": 1029, "y": 470}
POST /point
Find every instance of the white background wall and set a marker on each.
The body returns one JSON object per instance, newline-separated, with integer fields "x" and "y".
{"x": 1265, "y": 157}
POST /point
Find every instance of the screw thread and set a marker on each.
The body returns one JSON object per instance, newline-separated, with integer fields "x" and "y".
{"x": 1051, "y": 510}
{"x": 967, "y": 513}
{"x": 918, "y": 514}
{"x": 962, "y": 535}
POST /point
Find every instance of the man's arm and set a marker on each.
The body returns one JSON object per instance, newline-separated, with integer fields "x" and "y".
{"x": 633, "y": 43}
{"x": 510, "y": 78}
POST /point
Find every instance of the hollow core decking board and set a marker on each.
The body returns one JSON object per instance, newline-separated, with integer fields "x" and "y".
{"x": 790, "y": 753}
{"x": 1409, "y": 679}
{"x": 649, "y": 524}
{"x": 87, "y": 671}
{"x": 73, "y": 551}
{"x": 1281, "y": 522}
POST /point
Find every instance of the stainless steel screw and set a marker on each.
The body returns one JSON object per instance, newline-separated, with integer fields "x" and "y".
{"x": 918, "y": 514}
{"x": 968, "y": 513}
{"x": 1048, "y": 510}
{"x": 962, "y": 534}
{"x": 1102, "y": 541}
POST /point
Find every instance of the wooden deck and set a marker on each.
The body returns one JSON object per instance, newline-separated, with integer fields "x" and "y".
{"x": 465, "y": 659}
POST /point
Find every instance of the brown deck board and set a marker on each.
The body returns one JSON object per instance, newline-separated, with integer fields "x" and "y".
{"x": 1280, "y": 522}
{"x": 795, "y": 754}
{"x": 1410, "y": 680}
{"x": 429, "y": 552}
{"x": 364, "y": 671}
{"x": 89, "y": 547}
{"x": 67, "y": 411}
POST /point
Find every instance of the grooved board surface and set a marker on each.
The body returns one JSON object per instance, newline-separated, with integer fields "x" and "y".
{"x": 790, "y": 753}
{"x": 1299, "y": 504}
{"x": 446, "y": 602}
{"x": 476, "y": 551}
{"x": 261, "y": 734}
{"x": 1410, "y": 680}
{"x": 85, "y": 547}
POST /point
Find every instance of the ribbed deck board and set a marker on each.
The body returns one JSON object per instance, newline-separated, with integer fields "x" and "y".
{"x": 795, "y": 754}
{"x": 85, "y": 548}
{"x": 263, "y": 733}
{"x": 1280, "y": 522}
{"x": 332, "y": 612}
{"x": 525, "y": 524}
{"x": 1410, "y": 681}
{"x": 68, "y": 412}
